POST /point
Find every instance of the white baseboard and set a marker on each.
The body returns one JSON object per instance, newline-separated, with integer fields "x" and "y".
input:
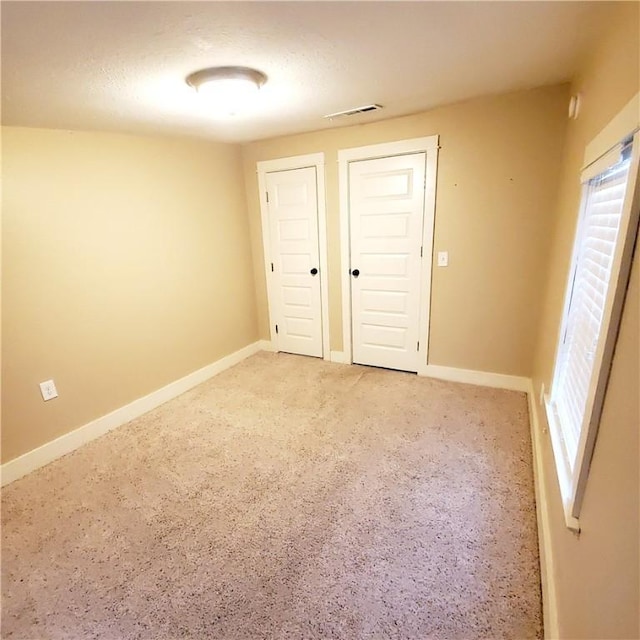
{"x": 481, "y": 378}
{"x": 547, "y": 571}
{"x": 28, "y": 462}
{"x": 266, "y": 345}
{"x": 339, "y": 356}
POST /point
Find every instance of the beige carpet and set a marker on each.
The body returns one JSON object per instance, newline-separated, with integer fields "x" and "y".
{"x": 285, "y": 498}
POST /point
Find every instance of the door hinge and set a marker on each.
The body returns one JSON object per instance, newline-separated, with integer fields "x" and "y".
{"x": 267, "y": 194}
{"x": 418, "y": 347}
{"x": 276, "y": 328}
{"x": 421, "y": 252}
{"x": 272, "y": 266}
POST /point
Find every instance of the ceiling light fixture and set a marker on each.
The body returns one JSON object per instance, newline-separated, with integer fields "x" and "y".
{"x": 229, "y": 90}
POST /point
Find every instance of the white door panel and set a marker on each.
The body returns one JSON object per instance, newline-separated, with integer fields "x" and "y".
{"x": 386, "y": 204}
{"x": 293, "y": 224}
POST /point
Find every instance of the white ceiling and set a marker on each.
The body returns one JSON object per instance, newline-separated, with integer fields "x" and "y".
{"x": 120, "y": 66}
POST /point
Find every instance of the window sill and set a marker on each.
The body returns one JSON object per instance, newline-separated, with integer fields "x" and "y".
{"x": 563, "y": 468}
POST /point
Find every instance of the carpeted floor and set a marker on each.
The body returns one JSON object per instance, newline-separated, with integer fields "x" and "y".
{"x": 285, "y": 498}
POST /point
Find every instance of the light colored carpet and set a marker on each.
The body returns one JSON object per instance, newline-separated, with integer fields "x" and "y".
{"x": 285, "y": 498}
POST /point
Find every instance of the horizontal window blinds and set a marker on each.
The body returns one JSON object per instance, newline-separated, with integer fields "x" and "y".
{"x": 596, "y": 246}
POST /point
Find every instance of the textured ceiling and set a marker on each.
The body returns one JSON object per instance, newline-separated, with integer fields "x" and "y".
{"x": 120, "y": 66}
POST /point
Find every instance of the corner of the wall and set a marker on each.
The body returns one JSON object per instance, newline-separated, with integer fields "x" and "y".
{"x": 266, "y": 345}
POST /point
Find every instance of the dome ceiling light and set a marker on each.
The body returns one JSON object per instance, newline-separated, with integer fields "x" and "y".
{"x": 228, "y": 90}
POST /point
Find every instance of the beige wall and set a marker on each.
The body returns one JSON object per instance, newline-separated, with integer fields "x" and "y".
{"x": 597, "y": 572}
{"x": 497, "y": 178}
{"x": 126, "y": 265}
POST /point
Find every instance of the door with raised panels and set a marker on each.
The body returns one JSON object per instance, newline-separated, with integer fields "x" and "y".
{"x": 293, "y": 226}
{"x": 386, "y": 213}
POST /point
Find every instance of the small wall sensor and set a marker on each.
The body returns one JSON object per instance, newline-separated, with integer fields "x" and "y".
{"x": 574, "y": 106}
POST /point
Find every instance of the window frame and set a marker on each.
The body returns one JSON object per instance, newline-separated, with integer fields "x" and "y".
{"x": 573, "y": 480}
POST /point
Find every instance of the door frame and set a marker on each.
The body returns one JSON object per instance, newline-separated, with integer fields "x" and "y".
{"x": 287, "y": 164}
{"x": 428, "y": 145}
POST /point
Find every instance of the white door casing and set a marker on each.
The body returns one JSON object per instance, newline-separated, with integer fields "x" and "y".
{"x": 294, "y": 239}
{"x": 346, "y": 158}
{"x": 386, "y": 205}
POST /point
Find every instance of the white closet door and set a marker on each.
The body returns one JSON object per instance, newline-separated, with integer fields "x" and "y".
{"x": 293, "y": 222}
{"x": 386, "y": 202}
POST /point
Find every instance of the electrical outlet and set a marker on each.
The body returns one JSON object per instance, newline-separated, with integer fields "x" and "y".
{"x": 443, "y": 258}
{"x": 48, "y": 390}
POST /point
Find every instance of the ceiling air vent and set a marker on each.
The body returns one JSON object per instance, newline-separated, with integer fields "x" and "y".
{"x": 352, "y": 112}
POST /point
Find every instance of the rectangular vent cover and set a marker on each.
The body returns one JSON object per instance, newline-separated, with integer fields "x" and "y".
{"x": 352, "y": 112}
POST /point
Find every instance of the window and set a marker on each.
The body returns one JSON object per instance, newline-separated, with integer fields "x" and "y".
{"x": 602, "y": 253}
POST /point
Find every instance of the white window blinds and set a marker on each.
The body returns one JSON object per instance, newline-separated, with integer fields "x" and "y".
{"x": 595, "y": 249}
{"x": 602, "y": 255}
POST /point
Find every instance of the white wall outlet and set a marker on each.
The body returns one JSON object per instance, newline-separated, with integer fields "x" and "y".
{"x": 443, "y": 258}
{"x": 48, "y": 390}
